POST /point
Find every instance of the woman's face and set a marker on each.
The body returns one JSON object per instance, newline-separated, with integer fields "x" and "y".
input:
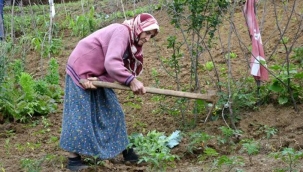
{"x": 145, "y": 36}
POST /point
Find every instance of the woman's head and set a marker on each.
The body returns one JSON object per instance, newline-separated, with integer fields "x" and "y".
{"x": 144, "y": 26}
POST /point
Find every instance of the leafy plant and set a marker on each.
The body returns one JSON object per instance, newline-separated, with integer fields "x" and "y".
{"x": 289, "y": 156}
{"x": 209, "y": 66}
{"x": 153, "y": 148}
{"x": 22, "y": 96}
{"x": 251, "y": 147}
{"x": 270, "y": 131}
{"x": 227, "y": 134}
{"x": 228, "y": 162}
{"x": 198, "y": 140}
{"x": 95, "y": 161}
{"x": 281, "y": 85}
{"x": 208, "y": 153}
{"x": 84, "y": 24}
{"x": 298, "y": 55}
{"x": 31, "y": 165}
{"x": 231, "y": 55}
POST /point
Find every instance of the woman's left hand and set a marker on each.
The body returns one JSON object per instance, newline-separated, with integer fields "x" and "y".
{"x": 137, "y": 87}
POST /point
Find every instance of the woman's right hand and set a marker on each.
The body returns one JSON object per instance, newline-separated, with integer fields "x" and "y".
{"x": 137, "y": 87}
{"x": 87, "y": 83}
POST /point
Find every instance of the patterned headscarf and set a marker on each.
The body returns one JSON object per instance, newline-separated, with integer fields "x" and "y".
{"x": 136, "y": 25}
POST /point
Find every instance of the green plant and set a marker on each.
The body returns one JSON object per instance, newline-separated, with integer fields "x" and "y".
{"x": 231, "y": 55}
{"x": 286, "y": 80}
{"x": 84, "y": 24}
{"x": 289, "y": 156}
{"x": 21, "y": 97}
{"x": 31, "y": 165}
{"x": 228, "y": 162}
{"x": 197, "y": 140}
{"x": 227, "y": 134}
{"x": 7, "y": 146}
{"x": 95, "y": 161}
{"x": 209, "y": 66}
{"x": 298, "y": 55}
{"x": 208, "y": 153}
{"x": 1, "y": 167}
{"x": 155, "y": 76}
{"x": 251, "y": 147}
{"x": 270, "y": 131}
{"x": 284, "y": 40}
{"x": 153, "y": 149}
{"x": 45, "y": 122}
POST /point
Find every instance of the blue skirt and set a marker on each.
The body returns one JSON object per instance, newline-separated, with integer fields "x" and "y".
{"x": 93, "y": 122}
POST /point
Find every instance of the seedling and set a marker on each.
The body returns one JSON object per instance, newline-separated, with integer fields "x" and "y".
{"x": 251, "y": 147}
{"x": 289, "y": 156}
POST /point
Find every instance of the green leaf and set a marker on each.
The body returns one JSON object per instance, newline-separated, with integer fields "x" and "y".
{"x": 276, "y": 87}
{"x": 282, "y": 100}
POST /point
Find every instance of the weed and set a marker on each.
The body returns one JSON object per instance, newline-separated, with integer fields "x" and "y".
{"x": 228, "y": 162}
{"x": 198, "y": 140}
{"x": 94, "y": 161}
{"x": 270, "y": 131}
{"x": 227, "y": 134}
{"x": 208, "y": 153}
{"x": 7, "y": 146}
{"x": 251, "y": 147}
{"x": 1, "y": 167}
{"x": 31, "y": 165}
{"x": 298, "y": 55}
{"x": 289, "y": 156}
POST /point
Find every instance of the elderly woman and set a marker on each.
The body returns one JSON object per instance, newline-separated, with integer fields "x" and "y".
{"x": 93, "y": 120}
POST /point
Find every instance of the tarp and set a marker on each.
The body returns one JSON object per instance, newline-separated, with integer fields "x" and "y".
{"x": 257, "y": 62}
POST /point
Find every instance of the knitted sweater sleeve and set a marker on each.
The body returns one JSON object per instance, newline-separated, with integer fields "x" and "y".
{"x": 113, "y": 63}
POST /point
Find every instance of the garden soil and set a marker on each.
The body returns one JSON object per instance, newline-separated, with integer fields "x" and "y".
{"x": 40, "y": 140}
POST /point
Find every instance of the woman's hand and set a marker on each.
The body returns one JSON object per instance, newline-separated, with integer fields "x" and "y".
{"x": 87, "y": 83}
{"x": 137, "y": 87}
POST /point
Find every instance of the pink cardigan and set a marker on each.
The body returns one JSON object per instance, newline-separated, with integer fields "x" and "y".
{"x": 100, "y": 55}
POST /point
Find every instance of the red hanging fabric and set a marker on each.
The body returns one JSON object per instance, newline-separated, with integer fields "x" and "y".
{"x": 257, "y": 61}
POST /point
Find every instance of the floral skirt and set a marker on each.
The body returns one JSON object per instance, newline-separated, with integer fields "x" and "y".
{"x": 93, "y": 122}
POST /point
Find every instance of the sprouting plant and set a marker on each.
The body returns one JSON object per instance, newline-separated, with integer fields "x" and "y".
{"x": 270, "y": 131}
{"x": 1, "y": 167}
{"x": 7, "y": 146}
{"x": 53, "y": 139}
{"x": 31, "y": 165}
{"x": 251, "y": 147}
{"x": 281, "y": 87}
{"x": 84, "y": 24}
{"x": 289, "y": 156}
{"x": 231, "y": 55}
{"x": 285, "y": 40}
{"x": 52, "y": 76}
{"x": 209, "y": 66}
{"x": 45, "y": 122}
{"x": 208, "y": 153}
{"x": 153, "y": 148}
{"x": 298, "y": 55}
{"x": 95, "y": 161}
{"x": 228, "y": 162}
{"x": 227, "y": 134}
{"x": 155, "y": 76}
{"x": 198, "y": 140}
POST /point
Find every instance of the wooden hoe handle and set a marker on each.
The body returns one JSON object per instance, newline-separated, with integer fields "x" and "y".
{"x": 210, "y": 97}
